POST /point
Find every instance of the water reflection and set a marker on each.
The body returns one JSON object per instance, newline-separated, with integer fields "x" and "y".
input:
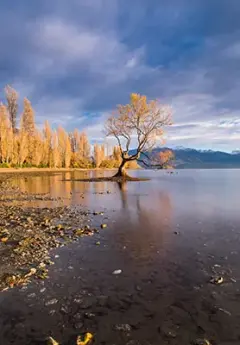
{"x": 146, "y": 228}
{"x": 205, "y": 194}
{"x": 122, "y": 186}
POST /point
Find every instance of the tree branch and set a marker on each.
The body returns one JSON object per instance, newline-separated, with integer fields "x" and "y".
{"x": 160, "y": 166}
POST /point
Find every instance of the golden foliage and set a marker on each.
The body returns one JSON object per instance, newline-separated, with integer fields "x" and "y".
{"x": 28, "y": 146}
{"x": 99, "y": 155}
{"x": 165, "y": 158}
{"x": 145, "y": 120}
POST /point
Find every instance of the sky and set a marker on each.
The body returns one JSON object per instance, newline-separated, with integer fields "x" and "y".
{"x": 77, "y": 59}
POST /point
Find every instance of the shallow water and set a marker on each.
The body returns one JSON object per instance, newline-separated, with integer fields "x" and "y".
{"x": 168, "y": 235}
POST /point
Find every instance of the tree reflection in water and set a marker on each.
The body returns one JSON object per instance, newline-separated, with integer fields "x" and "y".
{"x": 146, "y": 220}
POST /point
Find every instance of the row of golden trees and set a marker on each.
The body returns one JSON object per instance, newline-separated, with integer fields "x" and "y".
{"x": 26, "y": 145}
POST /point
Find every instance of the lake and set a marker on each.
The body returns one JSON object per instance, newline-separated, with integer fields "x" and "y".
{"x": 169, "y": 236}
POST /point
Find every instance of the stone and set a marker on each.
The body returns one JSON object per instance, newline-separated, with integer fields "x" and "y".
{"x": 51, "y": 302}
{"x": 124, "y": 327}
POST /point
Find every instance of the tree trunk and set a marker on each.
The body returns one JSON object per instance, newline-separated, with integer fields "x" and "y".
{"x": 121, "y": 170}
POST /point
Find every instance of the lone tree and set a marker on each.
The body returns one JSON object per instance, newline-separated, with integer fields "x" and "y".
{"x": 141, "y": 120}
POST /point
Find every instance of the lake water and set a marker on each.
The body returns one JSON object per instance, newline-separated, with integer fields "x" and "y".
{"x": 168, "y": 235}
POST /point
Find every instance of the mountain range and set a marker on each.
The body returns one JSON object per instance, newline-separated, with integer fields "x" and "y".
{"x": 187, "y": 158}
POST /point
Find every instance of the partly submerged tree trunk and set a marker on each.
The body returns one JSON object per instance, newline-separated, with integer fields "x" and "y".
{"x": 121, "y": 170}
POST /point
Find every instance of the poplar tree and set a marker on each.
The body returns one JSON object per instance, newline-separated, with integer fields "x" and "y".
{"x": 12, "y": 105}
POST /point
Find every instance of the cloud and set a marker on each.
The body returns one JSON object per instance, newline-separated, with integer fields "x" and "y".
{"x": 76, "y": 60}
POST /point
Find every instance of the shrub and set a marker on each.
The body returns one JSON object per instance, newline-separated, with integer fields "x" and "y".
{"x": 42, "y": 165}
{"x": 4, "y": 165}
{"x": 109, "y": 164}
{"x": 83, "y": 163}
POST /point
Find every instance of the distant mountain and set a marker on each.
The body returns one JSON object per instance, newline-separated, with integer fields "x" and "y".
{"x": 186, "y": 158}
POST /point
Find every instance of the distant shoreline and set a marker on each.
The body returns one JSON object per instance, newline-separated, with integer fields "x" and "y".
{"x": 16, "y": 170}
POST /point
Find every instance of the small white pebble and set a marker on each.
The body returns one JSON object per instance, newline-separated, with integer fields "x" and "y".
{"x": 117, "y": 272}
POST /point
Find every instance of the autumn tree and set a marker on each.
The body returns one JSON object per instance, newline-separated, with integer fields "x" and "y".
{"x": 75, "y": 144}
{"x": 64, "y": 147}
{"x": 68, "y": 152}
{"x": 61, "y": 145}
{"x": 5, "y": 135}
{"x": 38, "y": 149}
{"x": 96, "y": 155}
{"x": 28, "y": 118}
{"x": 85, "y": 146}
{"x": 99, "y": 154}
{"x": 22, "y": 143}
{"x": 56, "y": 160}
{"x": 165, "y": 159}
{"x": 103, "y": 155}
{"x": 142, "y": 119}
{"x": 47, "y": 144}
{"x": 12, "y": 105}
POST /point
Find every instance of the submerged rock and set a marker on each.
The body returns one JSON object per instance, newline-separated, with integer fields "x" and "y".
{"x": 124, "y": 327}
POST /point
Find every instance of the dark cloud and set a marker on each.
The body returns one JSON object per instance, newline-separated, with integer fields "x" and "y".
{"x": 77, "y": 59}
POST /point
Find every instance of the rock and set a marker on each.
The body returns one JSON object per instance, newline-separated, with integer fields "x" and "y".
{"x": 65, "y": 309}
{"x": 52, "y": 341}
{"x": 201, "y": 342}
{"x": 116, "y": 272}
{"x": 124, "y": 327}
{"x": 78, "y": 300}
{"x": 51, "y": 302}
{"x": 225, "y": 311}
{"x": 216, "y": 280}
{"x": 103, "y": 226}
{"x": 89, "y": 315}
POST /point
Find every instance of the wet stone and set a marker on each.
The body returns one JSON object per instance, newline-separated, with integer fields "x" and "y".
{"x": 78, "y": 300}
{"x": 51, "y": 302}
{"x": 89, "y": 315}
{"x": 124, "y": 327}
{"x": 65, "y": 309}
{"x": 201, "y": 342}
